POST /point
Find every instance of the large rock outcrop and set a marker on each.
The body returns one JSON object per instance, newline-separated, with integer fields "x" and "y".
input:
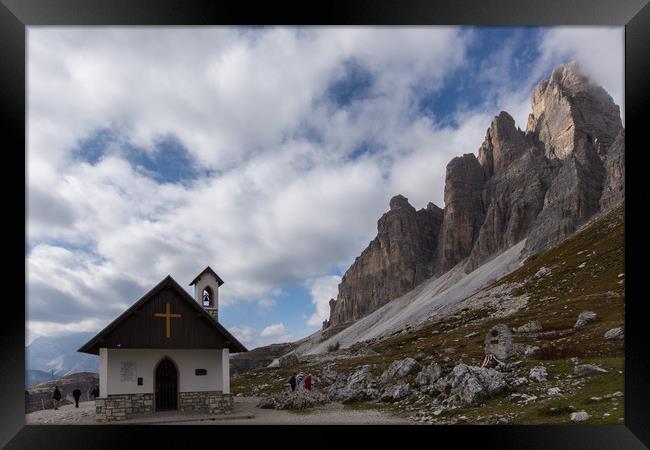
{"x": 464, "y": 210}
{"x": 397, "y": 260}
{"x": 540, "y": 184}
{"x": 517, "y": 176}
{"x": 577, "y": 122}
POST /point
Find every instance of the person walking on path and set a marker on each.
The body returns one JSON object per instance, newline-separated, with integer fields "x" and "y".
{"x": 308, "y": 382}
{"x": 77, "y": 395}
{"x": 292, "y": 382}
{"x": 56, "y": 397}
{"x": 94, "y": 393}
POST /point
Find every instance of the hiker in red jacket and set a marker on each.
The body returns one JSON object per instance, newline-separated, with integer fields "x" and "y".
{"x": 308, "y": 382}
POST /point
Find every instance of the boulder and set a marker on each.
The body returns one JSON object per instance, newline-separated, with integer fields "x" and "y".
{"x": 399, "y": 369}
{"x": 584, "y": 318}
{"x": 530, "y": 327}
{"x": 328, "y": 377}
{"x": 585, "y": 370}
{"x": 469, "y": 384}
{"x": 428, "y": 375}
{"x": 579, "y": 416}
{"x": 615, "y": 333}
{"x": 498, "y": 341}
{"x": 554, "y": 391}
{"x": 395, "y": 393}
{"x": 356, "y": 387}
{"x": 538, "y": 373}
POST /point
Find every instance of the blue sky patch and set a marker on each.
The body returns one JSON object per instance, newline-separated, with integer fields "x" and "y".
{"x": 356, "y": 83}
{"x": 169, "y": 162}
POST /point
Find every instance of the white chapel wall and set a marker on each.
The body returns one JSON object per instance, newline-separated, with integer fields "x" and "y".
{"x": 126, "y": 365}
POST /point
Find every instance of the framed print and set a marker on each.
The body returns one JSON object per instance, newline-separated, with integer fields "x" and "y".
{"x": 293, "y": 220}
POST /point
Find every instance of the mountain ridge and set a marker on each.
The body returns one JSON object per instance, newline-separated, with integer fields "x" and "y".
{"x": 540, "y": 185}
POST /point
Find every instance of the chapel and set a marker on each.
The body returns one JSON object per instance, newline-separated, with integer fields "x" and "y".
{"x": 168, "y": 351}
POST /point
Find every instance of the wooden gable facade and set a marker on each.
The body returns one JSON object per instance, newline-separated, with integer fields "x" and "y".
{"x": 165, "y": 317}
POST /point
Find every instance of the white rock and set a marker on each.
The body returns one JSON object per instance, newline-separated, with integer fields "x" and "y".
{"x": 538, "y": 373}
{"x": 584, "y": 318}
{"x": 615, "y": 333}
{"x": 553, "y": 391}
{"x": 579, "y": 416}
{"x": 585, "y": 370}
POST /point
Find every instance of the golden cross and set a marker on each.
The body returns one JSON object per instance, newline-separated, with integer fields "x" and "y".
{"x": 167, "y": 315}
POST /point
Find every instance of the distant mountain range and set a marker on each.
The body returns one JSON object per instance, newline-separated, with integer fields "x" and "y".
{"x": 55, "y": 357}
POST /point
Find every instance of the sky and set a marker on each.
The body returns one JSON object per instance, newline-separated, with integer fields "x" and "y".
{"x": 267, "y": 153}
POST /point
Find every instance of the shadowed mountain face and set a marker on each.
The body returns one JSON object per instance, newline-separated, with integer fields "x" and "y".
{"x": 398, "y": 259}
{"x": 539, "y": 185}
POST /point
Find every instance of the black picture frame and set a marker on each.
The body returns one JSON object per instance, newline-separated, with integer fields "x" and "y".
{"x": 16, "y": 15}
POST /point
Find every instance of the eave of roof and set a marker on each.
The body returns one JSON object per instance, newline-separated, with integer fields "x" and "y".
{"x": 92, "y": 345}
{"x": 209, "y": 270}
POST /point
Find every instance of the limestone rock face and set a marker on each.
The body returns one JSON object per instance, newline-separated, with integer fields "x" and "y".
{"x": 517, "y": 177}
{"x": 397, "y": 260}
{"x": 614, "y": 185}
{"x": 577, "y": 123}
{"x": 570, "y": 111}
{"x": 464, "y": 212}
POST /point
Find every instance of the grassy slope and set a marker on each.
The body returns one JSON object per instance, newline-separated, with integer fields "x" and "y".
{"x": 555, "y": 300}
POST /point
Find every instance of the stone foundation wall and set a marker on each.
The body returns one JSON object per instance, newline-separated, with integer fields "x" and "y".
{"x": 126, "y": 406}
{"x": 120, "y": 407}
{"x": 213, "y": 402}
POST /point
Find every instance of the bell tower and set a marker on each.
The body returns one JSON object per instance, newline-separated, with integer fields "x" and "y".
{"x": 206, "y": 291}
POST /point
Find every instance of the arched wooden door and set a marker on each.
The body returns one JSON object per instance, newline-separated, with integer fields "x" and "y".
{"x": 166, "y": 386}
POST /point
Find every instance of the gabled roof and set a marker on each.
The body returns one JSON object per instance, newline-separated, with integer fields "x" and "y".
{"x": 207, "y": 270}
{"x": 232, "y": 343}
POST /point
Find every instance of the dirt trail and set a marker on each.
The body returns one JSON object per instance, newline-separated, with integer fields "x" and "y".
{"x": 330, "y": 414}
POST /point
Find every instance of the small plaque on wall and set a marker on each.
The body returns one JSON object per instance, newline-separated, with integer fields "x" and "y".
{"x": 200, "y": 372}
{"x": 127, "y": 370}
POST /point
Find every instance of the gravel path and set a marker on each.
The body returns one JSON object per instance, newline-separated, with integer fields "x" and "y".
{"x": 65, "y": 415}
{"x": 330, "y": 414}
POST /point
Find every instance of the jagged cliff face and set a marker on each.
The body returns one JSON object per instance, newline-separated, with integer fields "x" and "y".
{"x": 538, "y": 185}
{"x": 397, "y": 260}
{"x": 578, "y": 123}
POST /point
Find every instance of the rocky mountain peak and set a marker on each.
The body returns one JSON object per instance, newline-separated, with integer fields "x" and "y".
{"x": 569, "y": 109}
{"x": 399, "y": 201}
{"x": 503, "y": 144}
{"x": 399, "y": 258}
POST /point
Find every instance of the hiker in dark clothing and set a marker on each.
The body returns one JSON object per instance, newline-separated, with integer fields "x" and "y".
{"x": 94, "y": 393}
{"x": 56, "y": 397}
{"x": 77, "y": 395}
{"x": 292, "y": 382}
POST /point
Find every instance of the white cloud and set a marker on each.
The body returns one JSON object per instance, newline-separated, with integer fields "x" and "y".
{"x": 321, "y": 290}
{"x": 285, "y": 202}
{"x": 277, "y": 329}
